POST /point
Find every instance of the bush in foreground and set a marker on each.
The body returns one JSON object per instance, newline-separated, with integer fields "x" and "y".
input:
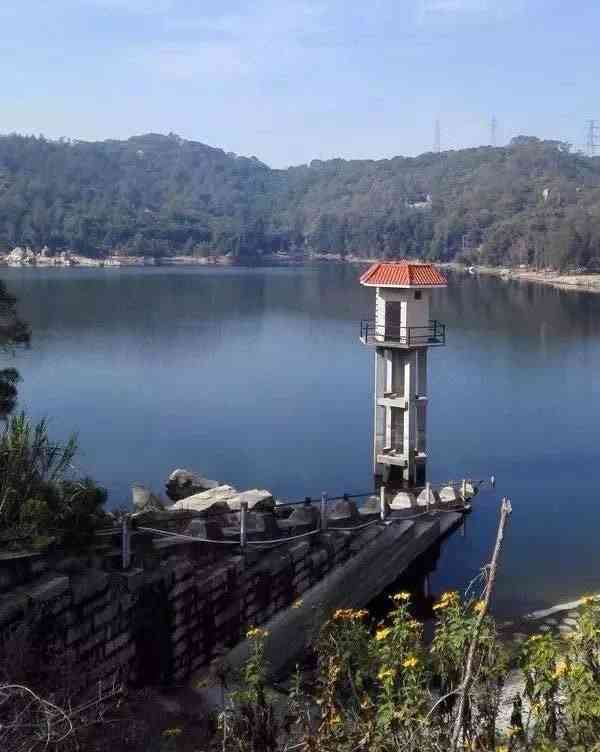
{"x": 41, "y": 497}
{"x": 383, "y": 688}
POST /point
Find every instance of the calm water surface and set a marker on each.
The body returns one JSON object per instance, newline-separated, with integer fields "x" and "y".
{"x": 257, "y": 377}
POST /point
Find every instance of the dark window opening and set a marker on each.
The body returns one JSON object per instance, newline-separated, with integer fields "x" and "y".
{"x": 418, "y": 294}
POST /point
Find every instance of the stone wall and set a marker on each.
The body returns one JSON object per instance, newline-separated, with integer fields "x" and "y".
{"x": 181, "y": 603}
{"x": 189, "y": 603}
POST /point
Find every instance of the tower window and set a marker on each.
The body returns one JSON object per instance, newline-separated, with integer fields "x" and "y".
{"x": 418, "y": 294}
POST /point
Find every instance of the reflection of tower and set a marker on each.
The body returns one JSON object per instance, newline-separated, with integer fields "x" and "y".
{"x": 401, "y": 333}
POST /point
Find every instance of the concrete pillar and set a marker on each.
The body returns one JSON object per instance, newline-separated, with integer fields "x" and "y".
{"x": 379, "y": 437}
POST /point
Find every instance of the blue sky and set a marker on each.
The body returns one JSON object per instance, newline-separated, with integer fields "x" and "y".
{"x": 293, "y": 80}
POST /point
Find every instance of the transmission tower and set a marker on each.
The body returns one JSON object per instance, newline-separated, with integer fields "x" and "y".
{"x": 437, "y": 140}
{"x": 494, "y": 131}
{"x": 593, "y": 129}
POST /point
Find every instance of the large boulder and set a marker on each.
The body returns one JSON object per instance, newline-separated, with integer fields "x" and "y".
{"x": 427, "y": 499}
{"x": 183, "y": 483}
{"x": 343, "y": 513}
{"x": 213, "y": 500}
{"x": 144, "y": 500}
{"x": 372, "y": 507}
{"x": 206, "y": 529}
{"x": 450, "y": 496}
{"x": 258, "y": 500}
{"x": 403, "y": 501}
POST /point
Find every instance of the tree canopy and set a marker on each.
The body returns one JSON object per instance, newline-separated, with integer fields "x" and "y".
{"x": 531, "y": 202}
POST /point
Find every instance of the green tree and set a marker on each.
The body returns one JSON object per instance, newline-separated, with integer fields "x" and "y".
{"x": 13, "y": 333}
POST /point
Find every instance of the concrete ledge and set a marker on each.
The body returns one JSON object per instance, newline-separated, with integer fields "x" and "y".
{"x": 353, "y": 584}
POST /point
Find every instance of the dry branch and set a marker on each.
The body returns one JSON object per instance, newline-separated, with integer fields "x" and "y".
{"x": 505, "y": 510}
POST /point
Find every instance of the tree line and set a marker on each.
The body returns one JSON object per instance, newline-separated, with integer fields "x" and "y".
{"x": 532, "y": 202}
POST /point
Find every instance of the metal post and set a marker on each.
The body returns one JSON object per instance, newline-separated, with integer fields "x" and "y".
{"x": 323, "y": 511}
{"x": 463, "y": 490}
{"x": 382, "y": 503}
{"x": 125, "y": 542}
{"x": 428, "y": 494}
{"x": 243, "y": 523}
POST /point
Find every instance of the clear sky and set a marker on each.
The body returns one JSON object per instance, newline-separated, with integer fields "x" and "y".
{"x": 293, "y": 80}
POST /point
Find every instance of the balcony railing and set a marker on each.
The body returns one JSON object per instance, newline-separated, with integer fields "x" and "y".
{"x": 407, "y": 336}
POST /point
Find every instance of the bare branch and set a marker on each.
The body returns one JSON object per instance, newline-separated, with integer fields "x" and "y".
{"x": 505, "y": 510}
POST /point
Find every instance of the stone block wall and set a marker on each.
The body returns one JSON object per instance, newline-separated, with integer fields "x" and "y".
{"x": 189, "y": 604}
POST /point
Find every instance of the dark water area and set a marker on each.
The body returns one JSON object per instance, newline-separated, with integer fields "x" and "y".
{"x": 256, "y": 377}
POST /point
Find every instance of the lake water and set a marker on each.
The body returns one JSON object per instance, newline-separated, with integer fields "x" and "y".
{"x": 257, "y": 377}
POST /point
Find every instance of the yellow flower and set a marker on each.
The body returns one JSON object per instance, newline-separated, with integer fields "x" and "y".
{"x": 441, "y": 604}
{"x": 413, "y": 624}
{"x": 381, "y": 634}
{"x": 298, "y": 603}
{"x": 587, "y": 599}
{"x": 561, "y": 669}
{"x": 256, "y": 633}
{"x": 172, "y": 732}
{"x": 398, "y": 597}
{"x": 411, "y": 662}
{"x": 335, "y": 720}
{"x": 449, "y": 597}
{"x": 503, "y": 748}
{"x": 479, "y": 606}
{"x": 350, "y": 614}
{"x": 386, "y": 673}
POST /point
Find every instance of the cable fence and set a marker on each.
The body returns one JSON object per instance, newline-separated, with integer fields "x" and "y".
{"x": 239, "y": 537}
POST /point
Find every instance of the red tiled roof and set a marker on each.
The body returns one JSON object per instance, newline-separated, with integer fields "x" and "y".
{"x": 403, "y": 274}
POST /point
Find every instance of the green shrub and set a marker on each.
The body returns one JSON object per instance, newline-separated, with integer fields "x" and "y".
{"x": 384, "y": 688}
{"x": 40, "y": 496}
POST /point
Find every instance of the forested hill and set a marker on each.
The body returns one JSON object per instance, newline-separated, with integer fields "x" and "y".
{"x": 530, "y": 202}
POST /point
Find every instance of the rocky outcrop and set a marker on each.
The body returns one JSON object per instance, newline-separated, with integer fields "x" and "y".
{"x": 258, "y": 500}
{"x": 144, "y": 500}
{"x": 183, "y": 483}
{"x": 206, "y": 500}
{"x": 227, "y": 498}
{"x": 402, "y": 501}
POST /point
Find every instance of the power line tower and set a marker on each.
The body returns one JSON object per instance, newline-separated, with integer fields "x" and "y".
{"x": 437, "y": 139}
{"x": 494, "y": 131}
{"x": 593, "y": 129}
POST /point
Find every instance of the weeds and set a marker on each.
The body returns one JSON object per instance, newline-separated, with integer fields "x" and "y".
{"x": 383, "y": 688}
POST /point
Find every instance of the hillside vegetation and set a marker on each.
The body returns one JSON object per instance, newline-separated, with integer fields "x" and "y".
{"x": 532, "y": 202}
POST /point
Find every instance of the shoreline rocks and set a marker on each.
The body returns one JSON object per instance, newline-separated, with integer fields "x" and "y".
{"x": 183, "y": 483}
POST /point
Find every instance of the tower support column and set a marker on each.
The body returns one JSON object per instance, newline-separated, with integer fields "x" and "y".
{"x": 402, "y": 332}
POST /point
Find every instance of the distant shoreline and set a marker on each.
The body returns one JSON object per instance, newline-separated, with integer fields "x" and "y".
{"x": 581, "y": 282}
{"x": 588, "y": 282}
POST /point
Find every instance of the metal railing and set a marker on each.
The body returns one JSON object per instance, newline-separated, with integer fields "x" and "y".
{"x": 321, "y": 523}
{"x": 434, "y": 334}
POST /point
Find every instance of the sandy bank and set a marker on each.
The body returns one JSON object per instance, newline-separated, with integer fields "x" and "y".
{"x": 589, "y": 282}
